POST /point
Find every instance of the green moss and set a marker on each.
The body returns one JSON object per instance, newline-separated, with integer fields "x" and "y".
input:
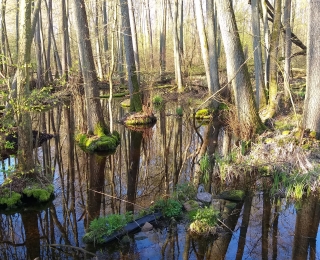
{"x": 9, "y": 198}
{"x": 203, "y": 114}
{"x": 140, "y": 120}
{"x": 203, "y": 221}
{"x": 102, "y": 143}
{"x": 100, "y": 130}
{"x": 41, "y": 194}
{"x": 233, "y": 195}
{"x": 125, "y": 103}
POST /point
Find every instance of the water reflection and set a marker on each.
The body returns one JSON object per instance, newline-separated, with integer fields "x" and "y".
{"x": 146, "y": 166}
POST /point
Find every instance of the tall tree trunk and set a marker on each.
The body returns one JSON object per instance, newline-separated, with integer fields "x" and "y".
{"x": 274, "y": 50}
{"x": 94, "y": 112}
{"x": 237, "y": 71}
{"x": 65, "y": 35}
{"x": 177, "y": 56}
{"x": 134, "y": 38}
{"x": 266, "y": 43}
{"x": 48, "y": 71}
{"x": 37, "y": 41}
{"x": 150, "y": 33}
{"x": 287, "y": 25}
{"x": 311, "y": 115}
{"x": 23, "y": 120}
{"x": 163, "y": 38}
{"x": 212, "y": 46}
{"x": 96, "y": 31}
{"x": 203, "y": 43}
{"x": 134, "y": 88}
{"x": 258, "y": 70}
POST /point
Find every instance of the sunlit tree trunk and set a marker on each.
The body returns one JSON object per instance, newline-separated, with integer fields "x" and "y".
{"x": 149, "y": 29}
{"x": 203, "y": 43}
{"x": 177, "y": 56}
{"x": 258, "y": 69}
{"x": 266, "y": 42}
{"x": 48, "y": 71}
{"x": 274, "y": 63}
{"x": 134, "y": 88}
{"x": 163, "y": 38}
{"x": 311, "y": 115}
{"x": 37, "y": 40}
{"x": 287, "y": 17}
{"x": 26, "y": 30}
{"x": 237, "y": 71}
{"x": 64, "y": 35}
{"x": 96, "y": 31}
{"x": 212, "y": 46}
{"x": 134, "y": 38}
{"x": 94, "y": 111}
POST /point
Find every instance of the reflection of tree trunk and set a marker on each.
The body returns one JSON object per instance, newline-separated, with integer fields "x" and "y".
{"x": 177, "y": 150}
{"x": 244, "y": 226}
{"x": 265, "y": 223}
{"x": 96, "y": 183}
{"x": 32, "y": 235}
{"x": 306, "y": 228}
{"x": 133, "y": 173}
{"x": 168, "y": 248}
{"x": 220, "y": 246}
{"x": 275, "y": 229}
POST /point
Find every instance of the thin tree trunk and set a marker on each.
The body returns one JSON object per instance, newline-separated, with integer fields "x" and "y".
{"x": 163, "y": 38}
{"x": 96, "y": 31}
{"x": 237, "y": 71}
{"x": 203, "y": 43}
{"x": 177, "y": 57}
{"x": 134, "y": 88}
{"x": 94, "y": 112}
{"x": 64, "y": 26}
{"x": 37, "y": 41}
{"x": 287, "y": 26}
{"x": 212, "y": 46}
{"x": 274, "y": 50}
{"x": 258, "y": 70}
{"x": 134, "y": 38}
{"x": 149, "y": 33}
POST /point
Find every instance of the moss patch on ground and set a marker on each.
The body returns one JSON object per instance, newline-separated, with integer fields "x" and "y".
{"x": 18, "y": 187}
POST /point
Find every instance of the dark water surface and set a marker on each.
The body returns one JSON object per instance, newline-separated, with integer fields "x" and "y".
{"x": 146, "y": 166}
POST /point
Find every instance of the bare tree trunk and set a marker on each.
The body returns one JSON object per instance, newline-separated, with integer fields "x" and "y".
{"x": 65, "y": 35}
{"x": 177, "y": 56}
{"x": 212, "y": 46}
{"x": 258, "y": 70}
{"x": 94, "y": 112}
{"x": 287, "y": 17}
{"x": 48, "y": 71}
{"x": 163, "y": 36}
{"x": 26, "y": 30}
{"x": 274, "y": 50}
{"x": 134, "y": 88}
{"x": 266, "y": 43}
{"x": 96, "y": 31}
{"x": 203, "y": 43}
{"x": 150, "y": 33}
{"x": 37, "y": 41}
{"x": 311, "y": 115}
{"x": 237, "y": 71}
{"x": 134, "y": 38}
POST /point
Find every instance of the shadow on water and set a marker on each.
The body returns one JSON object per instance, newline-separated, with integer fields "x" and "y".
{"x": 146, "y": 166}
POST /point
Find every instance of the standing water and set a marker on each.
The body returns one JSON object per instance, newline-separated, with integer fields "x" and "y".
{"x": 146, "y": 166}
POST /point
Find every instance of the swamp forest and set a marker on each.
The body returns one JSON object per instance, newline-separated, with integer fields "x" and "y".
{"x": 159, "y": 129}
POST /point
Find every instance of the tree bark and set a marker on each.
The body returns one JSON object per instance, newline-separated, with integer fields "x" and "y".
{"x": 94, "y": 111}
{"x": 134, "y": 88}
{"x": 287, "y": 26}
{"x": 163, "y": 36}
{"x": 274, "y": 50}
{"x": 311, "y": 116}
{"x": 237, "y": 71}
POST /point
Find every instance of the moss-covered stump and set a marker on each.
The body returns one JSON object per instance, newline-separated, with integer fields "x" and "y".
{"x": 99, "y": 143}
{"x": 125, "y": 103}
{"x": 139, "y": 118}
{"x": 24, "y": 188}
{"x": 233, "y": 195}
{"x": 203, "y": 114}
